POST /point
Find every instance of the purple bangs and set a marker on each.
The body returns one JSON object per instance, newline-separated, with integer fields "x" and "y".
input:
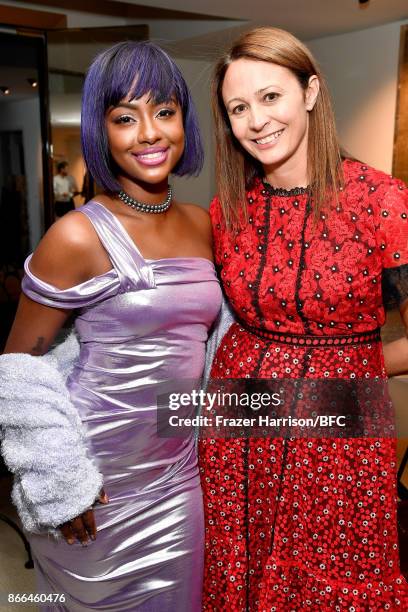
{"x": 133, "y": 68}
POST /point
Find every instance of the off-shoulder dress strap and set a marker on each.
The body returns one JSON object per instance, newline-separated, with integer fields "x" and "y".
{"x": 133, "y": 270}
{"x": 84, "y": 294}
{"x": 130, "y": 271}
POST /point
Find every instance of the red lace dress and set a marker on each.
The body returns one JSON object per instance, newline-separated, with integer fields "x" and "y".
{"x": 306, "y": 523}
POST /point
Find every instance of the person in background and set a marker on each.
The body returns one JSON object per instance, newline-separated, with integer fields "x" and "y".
{"x": 65, "y": 189}
{"x": 309, "y": 247}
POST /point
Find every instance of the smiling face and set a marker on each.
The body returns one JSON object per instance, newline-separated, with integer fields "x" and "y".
{"x": 146, "y": 140}
{"x": 268, "y": 112}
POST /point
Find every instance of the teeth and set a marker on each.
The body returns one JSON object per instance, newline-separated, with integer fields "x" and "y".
{"x": 152, "y": 155}
{"x": 270, "y": 138}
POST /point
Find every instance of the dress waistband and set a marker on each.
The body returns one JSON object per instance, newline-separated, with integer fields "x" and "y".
{"x": 315, "y": 341}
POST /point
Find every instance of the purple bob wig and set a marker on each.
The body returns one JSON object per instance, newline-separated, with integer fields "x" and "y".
{"x": 132, "y": 69}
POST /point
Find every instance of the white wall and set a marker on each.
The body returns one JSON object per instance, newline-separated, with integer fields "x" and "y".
{"x": 362, "y": 72}
{"x": 24, "y": 115}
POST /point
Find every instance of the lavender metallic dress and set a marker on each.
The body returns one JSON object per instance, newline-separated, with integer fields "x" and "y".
{"x": 141, "y": 323}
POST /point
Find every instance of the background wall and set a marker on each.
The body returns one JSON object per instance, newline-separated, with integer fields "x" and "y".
{"x": 199, "y": 190}
{"x": 362, "y": 72}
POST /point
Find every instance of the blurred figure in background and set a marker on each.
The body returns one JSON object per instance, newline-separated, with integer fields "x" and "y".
{"x": 65, "y": 189}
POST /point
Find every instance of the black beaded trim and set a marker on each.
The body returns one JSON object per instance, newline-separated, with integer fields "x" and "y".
{"x": 263, "y": 244}
{"x": 143, "y": 206}
{"x": 279, "y": 191}
{"x": 301, "y": 268}
{"x": 315, "y": 341}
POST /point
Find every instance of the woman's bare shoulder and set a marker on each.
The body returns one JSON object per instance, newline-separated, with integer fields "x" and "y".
{"x": 196, "y": 213}
{"x": 193, "y": 208}
{"x": 69, "y": 252}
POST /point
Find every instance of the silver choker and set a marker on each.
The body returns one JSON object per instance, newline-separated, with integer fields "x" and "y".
{"x": 147, "y": 208}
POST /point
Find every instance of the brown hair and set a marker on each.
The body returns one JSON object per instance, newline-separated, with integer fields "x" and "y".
{"x": 235, "y": 168}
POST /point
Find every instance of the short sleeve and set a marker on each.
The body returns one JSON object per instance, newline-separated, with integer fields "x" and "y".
{"x": 392, "y": 239}
{"x": 392, "y": 222}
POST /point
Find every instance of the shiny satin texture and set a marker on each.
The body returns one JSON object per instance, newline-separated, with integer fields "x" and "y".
{"x": 141, "y": 323}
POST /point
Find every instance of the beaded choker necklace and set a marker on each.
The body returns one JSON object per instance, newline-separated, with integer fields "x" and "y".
{"x": 147, "y": 208}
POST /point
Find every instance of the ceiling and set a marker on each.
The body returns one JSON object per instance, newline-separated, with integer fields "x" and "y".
{"x": 306, "y": 18}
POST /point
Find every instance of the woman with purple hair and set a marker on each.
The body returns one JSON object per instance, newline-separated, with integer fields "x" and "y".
{"x": 137, "y": 266}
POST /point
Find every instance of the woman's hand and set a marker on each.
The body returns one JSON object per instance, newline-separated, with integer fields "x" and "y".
{"x": 83, "y": 527}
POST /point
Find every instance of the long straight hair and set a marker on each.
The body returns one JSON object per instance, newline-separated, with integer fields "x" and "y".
{"x": 235, "y": 168}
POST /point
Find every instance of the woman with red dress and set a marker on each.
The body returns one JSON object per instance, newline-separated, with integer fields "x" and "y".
{"x": 305, "y": 243}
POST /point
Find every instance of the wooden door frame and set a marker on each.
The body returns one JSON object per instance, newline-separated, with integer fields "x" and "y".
{"x": 33, "y": 19}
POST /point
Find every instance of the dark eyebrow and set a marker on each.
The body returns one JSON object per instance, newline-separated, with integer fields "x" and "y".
{"x": 125, "y": 105}
{"x": 134, "y": 105}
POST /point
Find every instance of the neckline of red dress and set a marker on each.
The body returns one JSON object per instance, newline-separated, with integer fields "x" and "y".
{"x": 280, "y": 191}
